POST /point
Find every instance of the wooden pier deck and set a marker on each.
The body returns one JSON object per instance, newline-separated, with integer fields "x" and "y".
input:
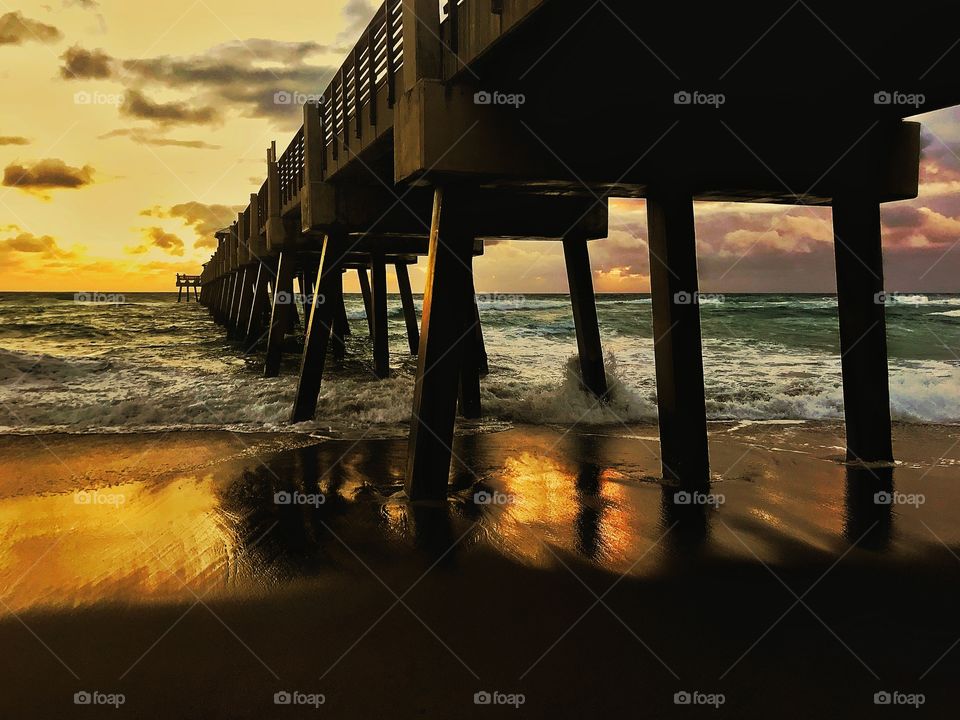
{"x": 519, "y": 119}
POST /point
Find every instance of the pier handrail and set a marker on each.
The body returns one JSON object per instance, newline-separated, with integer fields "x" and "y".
{"x": 355, "y": 85}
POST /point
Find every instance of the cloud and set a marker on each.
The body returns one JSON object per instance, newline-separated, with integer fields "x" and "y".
{"x": 79, "y": 63}
{"x": 137, "y": 105}
{"x": 15, "y": 29}
{"x": 241, "y": 75}
{"x": 13, "y": 140}
{"x": 358, "y": 14}
{"x": 43, "y": 246}
{"x": 158, "y": 238}
{"x": 204, "y": 219}
{"x": 85, "y": 4}
{"x": 143, "y": 137}
{"x": 49, "y": 174}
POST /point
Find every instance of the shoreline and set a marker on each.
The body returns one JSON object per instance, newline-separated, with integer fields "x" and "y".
{"x": 198, "y": 580}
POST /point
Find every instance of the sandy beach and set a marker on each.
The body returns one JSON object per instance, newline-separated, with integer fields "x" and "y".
{"x": 163, "y": 567}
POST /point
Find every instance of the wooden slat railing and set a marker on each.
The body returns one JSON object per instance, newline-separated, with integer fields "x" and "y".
{"x": 372, "y": 67}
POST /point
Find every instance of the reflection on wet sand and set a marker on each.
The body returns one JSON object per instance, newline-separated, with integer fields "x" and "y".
{"x": 532, "y": 495}
{"x": 125, "y": 542}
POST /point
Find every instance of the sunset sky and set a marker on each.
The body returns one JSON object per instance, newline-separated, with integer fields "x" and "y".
{"x": 130, "y": 131}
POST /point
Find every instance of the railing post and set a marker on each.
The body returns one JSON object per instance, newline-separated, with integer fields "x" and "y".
{"x": 276, "y": 234}
{"x": 316, "y": 197}
{"x": 422, "y": 47}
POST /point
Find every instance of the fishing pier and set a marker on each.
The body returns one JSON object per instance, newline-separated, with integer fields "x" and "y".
{"x": 447, "y": 126}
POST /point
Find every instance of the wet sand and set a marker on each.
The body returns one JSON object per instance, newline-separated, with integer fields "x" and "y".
{"x": 162, "y": 567}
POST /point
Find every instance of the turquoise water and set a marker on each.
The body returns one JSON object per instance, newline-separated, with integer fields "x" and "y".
{"x": 142, "y": 361}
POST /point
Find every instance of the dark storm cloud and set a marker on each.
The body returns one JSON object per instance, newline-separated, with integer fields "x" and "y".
{"x": 13, "y": 140}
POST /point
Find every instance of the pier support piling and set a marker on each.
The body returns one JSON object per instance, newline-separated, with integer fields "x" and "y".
{"x": 863, "y": 336}
{"x": 381, "y": 344}
{"x": 592, "y": 373}
{"x": 340, "y": 326}
{"x": 481, "y": 347}
{"x": 677, "y": 344}
{"x": 441, "y": 345}
{"x": 470, "y": 360}
{"x": 319, "y": 330}
{"x": 280, "y": 317}
{"x": 258, "y": 305}
{"x": 367, "y": 297}
{"x": 409, "y": 309}
{"x": 245, "y": 302}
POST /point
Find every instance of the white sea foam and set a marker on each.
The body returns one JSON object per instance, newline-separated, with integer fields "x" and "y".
{"x": 156, "y": 365}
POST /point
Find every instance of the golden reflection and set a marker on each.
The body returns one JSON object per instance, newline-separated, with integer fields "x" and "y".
{"x": 577, "y": 508}
{"x": 127, "y": 542}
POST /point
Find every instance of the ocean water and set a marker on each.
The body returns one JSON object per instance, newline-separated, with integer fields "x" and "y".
{"x": 145, "y": 362}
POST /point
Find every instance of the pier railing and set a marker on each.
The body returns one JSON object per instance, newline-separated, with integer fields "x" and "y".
{"x": 370, "y": 69}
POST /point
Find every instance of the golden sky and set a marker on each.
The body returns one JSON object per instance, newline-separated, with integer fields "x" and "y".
{"x": 130, "y": 131}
